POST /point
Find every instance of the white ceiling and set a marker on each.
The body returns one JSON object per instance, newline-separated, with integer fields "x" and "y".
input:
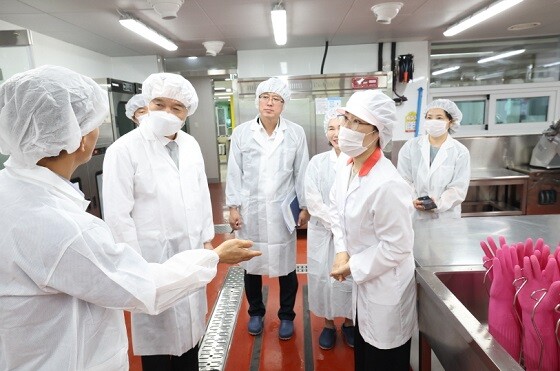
{"x": 245, "y": 24}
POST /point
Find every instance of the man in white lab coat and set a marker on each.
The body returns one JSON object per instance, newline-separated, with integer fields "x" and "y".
{"x": 371, "y": 218}
{"x": 266, "y": 167}
{"x": 156, "y": 199}
{"x": 63, "y": 280}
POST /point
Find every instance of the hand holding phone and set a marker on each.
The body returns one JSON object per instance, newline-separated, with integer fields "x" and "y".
{"x": 427, "y": 202}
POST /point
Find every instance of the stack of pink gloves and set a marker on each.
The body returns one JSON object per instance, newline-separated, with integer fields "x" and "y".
{"x": 524, "y": 306}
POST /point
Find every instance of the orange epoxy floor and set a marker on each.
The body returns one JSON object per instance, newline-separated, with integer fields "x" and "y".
{"x": 275, "y": 354}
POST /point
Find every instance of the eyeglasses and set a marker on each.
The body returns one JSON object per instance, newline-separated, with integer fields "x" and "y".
{"x": 267, "y": 97}
{"x": 352, "y": 124}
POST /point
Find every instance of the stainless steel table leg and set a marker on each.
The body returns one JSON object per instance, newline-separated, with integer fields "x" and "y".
{"x": 425, "y": 353}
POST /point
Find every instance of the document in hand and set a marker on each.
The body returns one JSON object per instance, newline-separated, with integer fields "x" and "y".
{"x": 290, "y": 211}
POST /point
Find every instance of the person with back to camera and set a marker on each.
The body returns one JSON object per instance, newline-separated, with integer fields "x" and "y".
{"x": 328, "y": 298}
{"x": 371, "y": 216}
{"x": 63, "y": 280}
{"x": 266, "y": 167}
{"x": 136, "y": 108}
{"x": 436, "y": 165}
{"x": 156, "y": 199}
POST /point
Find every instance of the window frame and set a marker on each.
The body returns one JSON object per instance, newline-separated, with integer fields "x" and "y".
{"x": 495, "y": 92}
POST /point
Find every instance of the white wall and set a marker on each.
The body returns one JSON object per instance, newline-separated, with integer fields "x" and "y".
{"x": 202, "y": 126}
{"x": 47, "y": 50}
{"x": 344, "y": 59}
{"x": 306, "y": 61}
{"x": 135, "y": 69}
{"x": 13, "y": 59}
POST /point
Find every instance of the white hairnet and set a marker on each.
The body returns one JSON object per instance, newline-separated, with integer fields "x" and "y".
{"x": 134, "y": 103}
{"x": 173, "y": 86}
{"x": 46, "y": 110}
{"x": 329, "y": 115}
{"x": 273, "y": 85}
{"x": 375, "y": 108}
{"x": 449, "y": 107}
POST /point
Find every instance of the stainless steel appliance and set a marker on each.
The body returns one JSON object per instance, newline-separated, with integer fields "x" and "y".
{"x": 546, "y": 153}
{"x": 89, "y": 177}
{"x": 543, "y": 190}
{"x": 119, "y": 92}
{"x": 311, "y": 97}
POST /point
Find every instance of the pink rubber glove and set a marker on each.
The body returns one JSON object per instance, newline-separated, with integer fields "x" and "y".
{"x": 543, "y": 253}
{"x": 538, "y": 324}
{"x": 528, "y": 248}
{"x": 490, "y": 252}
{"x": 503, "y": 323}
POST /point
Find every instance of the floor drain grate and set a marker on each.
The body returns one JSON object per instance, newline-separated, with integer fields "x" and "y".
{"x": 215, "y": 345}
{"x": 301, "y": 268}
{"x": 222, "y": 228}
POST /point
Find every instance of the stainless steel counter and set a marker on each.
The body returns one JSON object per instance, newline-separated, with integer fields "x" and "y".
{"x": 526, "y": 169}
{"x": 457, "y": 241}
{"x": 496, "y": 192}
{"x": 452, "y": 299}
{"x": 496, "y": 174}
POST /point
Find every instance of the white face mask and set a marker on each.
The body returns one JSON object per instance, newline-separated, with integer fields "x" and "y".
{"x": 162, "y": 123}
{"x": 435, "y": 128}
{"x": 350, "y": 141}
{"x": 142, "y": 119}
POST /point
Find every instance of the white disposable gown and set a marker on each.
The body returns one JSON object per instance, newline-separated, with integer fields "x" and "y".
{"x": 64, "y": 281}
{"x": 260, "y": 177}
{"x": 372, "y": 221}
{"x": 161, "y": 210}
{"x": 446, "y": 180}
{"x": 328, "y": 298}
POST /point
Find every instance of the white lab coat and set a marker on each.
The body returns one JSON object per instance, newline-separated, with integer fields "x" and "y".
{"x": 161, "y": 210}
{"x": 446, "y": 180}
{"x": 328, "y": 298}
{"x": 259, "y": 178}
{"x": 372, "y": 221}
{"x": 64, "y": 281}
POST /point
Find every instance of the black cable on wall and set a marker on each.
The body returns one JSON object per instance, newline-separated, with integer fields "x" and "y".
{"x": 324, "y": 56}
{"x": 380, "y": 57}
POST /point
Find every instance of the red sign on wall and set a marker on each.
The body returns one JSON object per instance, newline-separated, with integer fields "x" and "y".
{"x": 366, "y": 82}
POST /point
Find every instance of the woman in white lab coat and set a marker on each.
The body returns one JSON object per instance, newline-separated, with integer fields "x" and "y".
{"x": 63, "y": 280}
{"x": 437, "y": 165}
{"x": 162, "y": 208}
{"x": 371, "y": 218}
{"x": 328, "y": 298}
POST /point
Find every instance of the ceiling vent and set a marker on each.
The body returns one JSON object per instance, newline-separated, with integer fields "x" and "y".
{"x": 386, "y": 12}
{"x": 167, "y": 9}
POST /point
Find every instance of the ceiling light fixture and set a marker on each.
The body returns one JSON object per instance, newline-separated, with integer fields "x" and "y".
{"x": 445, "y": 70}
{"x": 500, "y": 56}
{"x": 481, "y": 16}
{"x": 146, "y": 32}
{"x": 551, "y": 64}
{"x": 279, "y": 23}
{"x": 459, "y": 55}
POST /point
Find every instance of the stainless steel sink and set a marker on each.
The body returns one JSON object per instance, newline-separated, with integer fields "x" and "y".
{"x": 452, "y": 317}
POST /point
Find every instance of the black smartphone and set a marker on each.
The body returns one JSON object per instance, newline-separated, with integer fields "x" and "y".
{"x": 428, "y": 203}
